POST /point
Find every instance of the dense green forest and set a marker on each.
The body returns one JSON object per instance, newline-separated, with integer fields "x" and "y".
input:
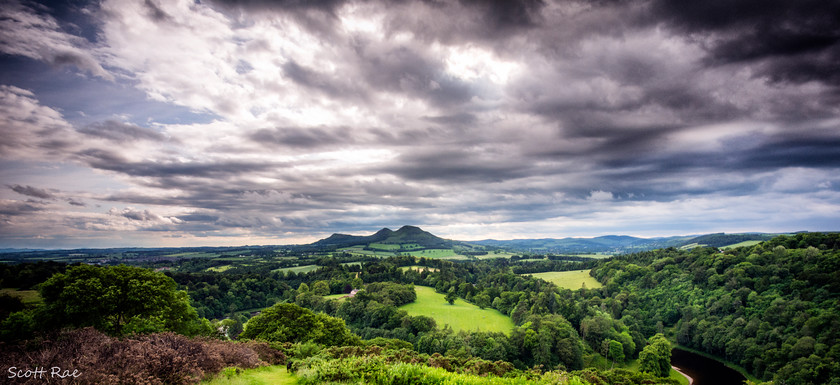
{"x": 770, "y": 308}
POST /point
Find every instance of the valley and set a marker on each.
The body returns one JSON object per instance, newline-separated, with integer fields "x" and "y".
{"x": 422, "y": 310}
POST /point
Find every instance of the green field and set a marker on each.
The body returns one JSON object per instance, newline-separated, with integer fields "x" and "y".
{"x": 435, "y": 253}
{"x": 26, "y": 296}
{"x": 299, "y": 269}
{"x": 220, "y": 269}
{"x": 500, "y": 254}
{"x": 394, "y": 246}
{"x": 338, "y": 297}
{"x": 359, "y": 250}
{"x": 692, "y": 245}
{"x": 573, "y": 280}
{"x": 740, "y": 244}
{"x": 266, "y": 375}
{"x": 460, "y": 316}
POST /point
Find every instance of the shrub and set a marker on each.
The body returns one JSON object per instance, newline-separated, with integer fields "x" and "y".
{"x": 165, "y": 358}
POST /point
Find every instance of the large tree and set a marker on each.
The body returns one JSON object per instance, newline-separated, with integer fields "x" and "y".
{"x": 656, "y": 357}
{"x": 117, "y": 300}
{"x": 287, "y": 322}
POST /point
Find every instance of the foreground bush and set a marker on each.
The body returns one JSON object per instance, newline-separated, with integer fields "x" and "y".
{"x": 375, "y": 370}
{"x": 147, "y": 359}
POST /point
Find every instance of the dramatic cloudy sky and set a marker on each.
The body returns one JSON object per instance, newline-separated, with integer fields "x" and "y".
{"x": 230, "y": 122}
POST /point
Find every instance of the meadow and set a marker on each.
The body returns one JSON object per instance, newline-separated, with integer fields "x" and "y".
{"x": 461, "y": 315}
{"x": 573, "y": 280}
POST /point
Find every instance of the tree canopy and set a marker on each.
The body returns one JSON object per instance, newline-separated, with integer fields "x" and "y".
{"x": 287, "y": 322}
{"x": 117, "y": 300}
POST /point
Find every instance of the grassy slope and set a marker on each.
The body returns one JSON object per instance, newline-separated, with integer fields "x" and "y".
{"x": 460, "y": 316}
{"x": 569, "y": 279}
{"x": 266, "y": 375}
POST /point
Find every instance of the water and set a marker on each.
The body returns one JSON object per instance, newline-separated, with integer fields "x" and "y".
{"x": 705, "y": 371}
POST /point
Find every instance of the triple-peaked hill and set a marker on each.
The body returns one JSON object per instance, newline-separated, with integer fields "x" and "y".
{"x": 405, "y": 235}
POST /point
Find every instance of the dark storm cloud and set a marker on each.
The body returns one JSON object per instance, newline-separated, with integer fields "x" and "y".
{"x": 136, "y": 215}
{"x": 459, "y": 119}
{"x": 199, "y": 218}
{"x": 121, "y": 132}
{"x": 74, "y": 202}
{"x": 327, "y": 85}
{"x": 800, "y": 40}
{"x": 818, "y": 151}
{"x": 404, "y": 70}
{"x": 32, "y": 191}
{"x": 302, "y": 137}
{"x": 20, "y": 208}
{"x": 501, "y": 15}
{"x": 156, "y": 13}
{"x": 456, "y": 165}
{"x": 111, "y": 161}
{"x": 282, "y": 5}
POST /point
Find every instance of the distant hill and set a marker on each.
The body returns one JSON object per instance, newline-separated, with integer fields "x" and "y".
{"x": 618, "y": 244}
{"x": 405, "y": 235}
{"x": 603, "y": 244}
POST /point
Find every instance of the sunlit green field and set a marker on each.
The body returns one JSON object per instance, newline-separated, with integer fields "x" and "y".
{"x": 394, "y": 246}
{"x": 740, "y": 244}
{"x": 299, "y": 269}
{"x": 359, "y": 250}
{"x": 266, "y": 375}
{"x": 26, "y": 296}
{"x": 220, "y": 269}
{"x": 500, "y": 254}
{"x": 460, "y": 316}
{"x": 573, "y": 280}
{"x": 434, "y": 253}
{"x": 339, "y": 297}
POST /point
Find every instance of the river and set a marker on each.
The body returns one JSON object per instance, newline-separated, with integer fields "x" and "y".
{"x": 704, "y": 371}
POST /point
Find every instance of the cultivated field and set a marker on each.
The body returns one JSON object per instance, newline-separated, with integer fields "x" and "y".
{"x": 573, "y": 280}
{"x": 460, "y": 316}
